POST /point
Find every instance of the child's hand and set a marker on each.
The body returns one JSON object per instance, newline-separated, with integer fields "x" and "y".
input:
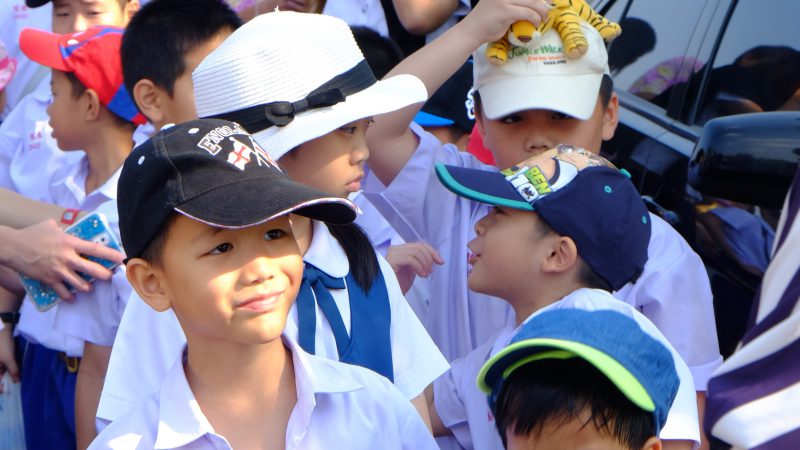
{"x": 491, "y": 18}
{"x": 46, "y": 253}
{"x": 7, "y": 361}
{"x": 410, "y": 260}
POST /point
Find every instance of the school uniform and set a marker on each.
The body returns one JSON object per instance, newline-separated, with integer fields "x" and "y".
{"x": 148, "y": 341}
{"x": 463, "y": 408}
{"x": 673, "y": 291}
{"x": 29, "y": 156}
{"x": 337, "y": 404}
{"x": 51, "y": 349}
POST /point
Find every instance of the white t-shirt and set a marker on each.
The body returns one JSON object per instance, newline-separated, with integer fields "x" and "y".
{"x": 673, "y": 291}
{"x": 148, "y": 341}
{"x": 463, "y": 408}
{"x": 337, "y": 404}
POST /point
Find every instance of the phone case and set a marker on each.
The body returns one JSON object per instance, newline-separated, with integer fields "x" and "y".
{"x": 94, "y": 228}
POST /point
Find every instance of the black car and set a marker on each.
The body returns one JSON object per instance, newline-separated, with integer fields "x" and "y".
{"x": 717, "y": 83}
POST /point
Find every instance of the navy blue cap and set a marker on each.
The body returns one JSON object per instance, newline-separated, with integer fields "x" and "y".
{"x": 641, "y": 367}
{"x": 592, "y": 202}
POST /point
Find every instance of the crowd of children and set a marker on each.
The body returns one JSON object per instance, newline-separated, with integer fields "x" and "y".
{"x": 276, "y": 202}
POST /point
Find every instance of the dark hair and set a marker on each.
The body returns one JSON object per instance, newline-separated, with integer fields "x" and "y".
{"x": 160, "y": 35}
{"x": 558, "y": 391}
{"x": 360, "y": 253}
{"x": 79, "y": 88}
{"x": 606, "y": 89}
{"x": 155, "y": 248}
{"x": 381, "y": 53}
{"x": 587, "y": 276}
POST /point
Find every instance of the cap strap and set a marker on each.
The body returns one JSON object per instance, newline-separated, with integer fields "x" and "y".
{"x": 281, "y": 113}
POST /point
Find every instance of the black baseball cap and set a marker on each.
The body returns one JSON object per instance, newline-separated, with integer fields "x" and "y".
{"x": 448, "y": 105}
{"x": 211, "y": 171}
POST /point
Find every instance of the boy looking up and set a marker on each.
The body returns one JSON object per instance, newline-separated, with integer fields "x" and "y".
{"x": 539, "y": 98}
{"x": 566, "y": 229}
{"x": 579, "y": 379}
{"x": 90, "y": 111}
{"x": 211, "y": 240}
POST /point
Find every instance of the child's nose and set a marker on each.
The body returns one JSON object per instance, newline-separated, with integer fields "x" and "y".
{"x": 360, "y": 153}
{"x": 258, "y": 270}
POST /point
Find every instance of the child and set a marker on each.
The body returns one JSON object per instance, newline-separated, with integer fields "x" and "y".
{"x": 159, "y": 77}
{"x": 539, "y": 98}
{"x": 571, "y": 379}
{"x": 342, "y": 270}
{"x": 157, "y": 69}
{"x": 91, "y": 111}
{"x": 209, "y": 237}
{"x": 567, "y": 229}
{"x": 26, "y": 145}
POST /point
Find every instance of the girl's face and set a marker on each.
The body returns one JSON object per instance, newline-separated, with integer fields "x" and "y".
{"x": 333, "y": 163}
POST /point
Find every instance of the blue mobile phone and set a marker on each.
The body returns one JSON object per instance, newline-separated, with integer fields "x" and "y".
{"x": 93, "y": 228}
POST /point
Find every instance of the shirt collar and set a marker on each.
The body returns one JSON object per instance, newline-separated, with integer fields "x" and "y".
{"x": 325, "y": 252}
{"x": 180, "y": 420}
{"x": 74, "y": 180}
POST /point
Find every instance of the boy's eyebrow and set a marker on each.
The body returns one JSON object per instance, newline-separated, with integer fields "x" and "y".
{"x": 208, "y": 232}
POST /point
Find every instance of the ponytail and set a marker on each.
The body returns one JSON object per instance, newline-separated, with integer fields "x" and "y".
{"x": 360, "y": 253}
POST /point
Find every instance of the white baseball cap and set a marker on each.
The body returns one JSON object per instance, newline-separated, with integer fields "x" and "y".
{"x": 543, "y": 77}
{"x": 290, "y": 77}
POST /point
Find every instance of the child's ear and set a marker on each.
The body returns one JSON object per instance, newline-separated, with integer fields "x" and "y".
{"x": 563, "y": 255}
{"x": 92, "y": 104}
{"x": 148, "y": 98}
{"x": 654, "y": 443}
{"x": 611, "y": 117}
{"x": 130, "y": 9}
{"x": 148, "y": 281}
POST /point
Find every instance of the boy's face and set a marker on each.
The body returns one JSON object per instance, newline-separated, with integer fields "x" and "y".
{"x": 507, "y": 251}
{"x": 575, "y": 434}
{"x": 333, "y": 163}
{"x": 78, "y": 15}
{"x": 179, "y": 107}
{"x": 520, "y": 135}
{"x": 65, "y": 113}
{"x": 230, "y": 285}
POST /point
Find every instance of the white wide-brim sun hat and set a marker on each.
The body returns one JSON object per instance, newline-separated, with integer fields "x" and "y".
{"x": 284, "y": 57}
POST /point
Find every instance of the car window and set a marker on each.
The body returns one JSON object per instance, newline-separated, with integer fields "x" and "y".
{"x": 649, "y": 57}
{"x": 757, "y": 65}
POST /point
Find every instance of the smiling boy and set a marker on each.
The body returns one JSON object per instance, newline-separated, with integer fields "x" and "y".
{"x": 212, "y": 240}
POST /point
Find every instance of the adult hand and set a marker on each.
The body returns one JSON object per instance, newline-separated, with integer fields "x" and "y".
{"x": 44, "y": 252}
{"x": 410, "y": 260}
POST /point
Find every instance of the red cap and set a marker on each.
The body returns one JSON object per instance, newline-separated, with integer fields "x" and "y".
{"x": 92, "y": 56}
{"x": 478, "y": 150}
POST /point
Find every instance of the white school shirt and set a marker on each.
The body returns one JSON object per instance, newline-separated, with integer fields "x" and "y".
{"x": 14, "y": 16}
{"x": 337, "y": 404}
{"x": 383, "y": 236}
{"x": 367, "y": 13}
{"x": 29, "y": 156}
{"x": 93, "y": 316}
{"x": 673, "y": 290}
{"x": 464, "y": 409}
{"x": 45, "y": 328}
{"x": 148, "y": 342}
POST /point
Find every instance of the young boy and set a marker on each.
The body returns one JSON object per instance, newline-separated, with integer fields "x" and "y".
{"x": 537, "y": 99}
{"x": 212, "y": 241}
{"x": 90, "y": 111}
{"x": 566, "y": 229}
{"x": 158, "y": 66}
{"x": 157, "y": 69}
{"x": 578, "y": 379}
